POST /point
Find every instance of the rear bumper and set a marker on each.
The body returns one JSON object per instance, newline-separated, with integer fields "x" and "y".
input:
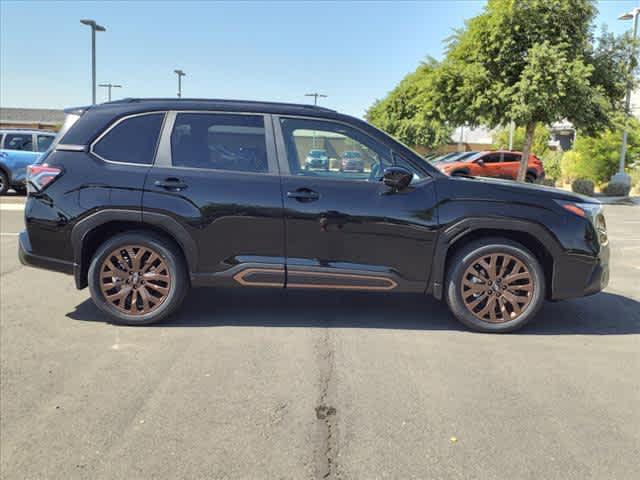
{"x": 28, "y": 258}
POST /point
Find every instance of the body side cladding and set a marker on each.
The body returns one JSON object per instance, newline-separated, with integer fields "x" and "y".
{"x": 464, "y": 227}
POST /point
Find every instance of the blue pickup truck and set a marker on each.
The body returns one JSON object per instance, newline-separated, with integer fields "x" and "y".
{"x": 19, "y": 148}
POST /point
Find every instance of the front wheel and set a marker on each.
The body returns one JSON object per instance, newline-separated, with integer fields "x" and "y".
{"x": 495, "y": 285}
{"x": 138, "y": 278}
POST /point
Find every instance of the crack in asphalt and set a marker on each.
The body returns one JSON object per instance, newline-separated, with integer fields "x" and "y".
{"x": 325, "y": 413}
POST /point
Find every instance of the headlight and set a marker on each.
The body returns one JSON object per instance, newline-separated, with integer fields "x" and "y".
{"x": 590, "y": 211}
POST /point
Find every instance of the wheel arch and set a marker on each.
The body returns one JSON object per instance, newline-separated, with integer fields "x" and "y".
{"x": 536, "y": 238}
{"x": 88, "y": 234}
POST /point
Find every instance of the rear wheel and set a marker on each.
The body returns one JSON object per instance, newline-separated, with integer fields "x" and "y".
{"x": 495, "y": 285}
{"x": 530, "y": 178}
{"x": 137, "y": 278}
{"x": 4, "y": 183}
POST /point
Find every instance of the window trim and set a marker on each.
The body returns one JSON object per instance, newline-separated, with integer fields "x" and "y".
{"x": 283, "y": 157}
{"x": 118, "y": 122}
{"x": 164, "y": 157}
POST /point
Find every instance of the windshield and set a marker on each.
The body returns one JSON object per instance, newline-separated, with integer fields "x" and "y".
{"x": 318, "y": 153}
{"x": 351, "y": 155}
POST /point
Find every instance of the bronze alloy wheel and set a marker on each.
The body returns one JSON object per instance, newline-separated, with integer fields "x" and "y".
{"x": 135, "y": 279}
{"x": 497, "y": 287}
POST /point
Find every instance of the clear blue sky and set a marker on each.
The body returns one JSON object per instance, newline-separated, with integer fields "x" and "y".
{"x": 353, "y": 51}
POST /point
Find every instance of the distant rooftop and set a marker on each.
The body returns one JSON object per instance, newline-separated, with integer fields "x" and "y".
{"x": 30, "y": 116}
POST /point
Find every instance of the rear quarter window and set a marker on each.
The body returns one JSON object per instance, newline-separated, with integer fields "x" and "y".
{"x": 132, "y": 140}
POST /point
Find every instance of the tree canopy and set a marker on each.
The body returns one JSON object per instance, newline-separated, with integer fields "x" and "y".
{"x": 527, "y": 61}
{"x": 407, "y": 111}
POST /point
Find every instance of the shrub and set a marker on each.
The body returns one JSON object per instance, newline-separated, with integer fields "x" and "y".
{"x": 616, "y": 190}
{"x": 635, "y": 176}
{"x": 549, "y": 182}
{"x": 569, "y": 166}
{"x": 551, "y": 162}
{"x": 583, "y": 186}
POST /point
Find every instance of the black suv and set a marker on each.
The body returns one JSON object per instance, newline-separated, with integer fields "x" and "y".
{"x": 141, "y": 199}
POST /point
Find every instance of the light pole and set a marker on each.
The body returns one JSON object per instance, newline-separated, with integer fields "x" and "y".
{"x": 109, "y": 86}
{"x": 94, "y": 28}
{"x": 315, "y": 96}
{"x": 621, "y": 177}
{"x": 180, "y": 74}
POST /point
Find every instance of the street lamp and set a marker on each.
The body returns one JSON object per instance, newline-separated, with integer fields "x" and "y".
{"x": 109, "y": 86}
{"x": 180, "y": 74}
{"x": 94, "y": 28}
{"x": 315, "y": 96}
{"x": 621, "y": 177}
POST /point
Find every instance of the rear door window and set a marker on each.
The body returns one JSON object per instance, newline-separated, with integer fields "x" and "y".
{"x": 219, "y": 142}
{"x": 44, "y": 141}
{"x": 133, "y": 140}
{"x": 19, "y": 141}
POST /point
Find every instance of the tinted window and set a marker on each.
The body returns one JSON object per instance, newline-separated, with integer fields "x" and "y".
{"x": 132, "y": 141}
{"x": 511, "y": 157}
{"x": 220, "y": 142}
{"x": 348, "y": 154}
{"x": 495, "y": 158}
{"x": 44, "y": 141}
{"x": 18, "y": 141}
{"x": 365, "y": 160}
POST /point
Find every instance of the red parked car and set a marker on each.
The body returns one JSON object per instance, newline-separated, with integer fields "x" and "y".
{"x": 491, "y": 163}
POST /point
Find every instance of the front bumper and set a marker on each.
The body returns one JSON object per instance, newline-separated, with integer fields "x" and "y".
{"x": 579, "y": 275}
{"x": 28, "y": 258}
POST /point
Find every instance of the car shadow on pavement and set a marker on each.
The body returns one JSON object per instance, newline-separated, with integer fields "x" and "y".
{"x": 602, "y": 314}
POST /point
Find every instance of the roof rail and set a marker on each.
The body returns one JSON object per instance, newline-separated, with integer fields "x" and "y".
{"x": 216, "y": 100}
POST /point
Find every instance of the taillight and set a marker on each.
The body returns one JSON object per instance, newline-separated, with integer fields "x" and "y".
{"x": 39, "y": 176}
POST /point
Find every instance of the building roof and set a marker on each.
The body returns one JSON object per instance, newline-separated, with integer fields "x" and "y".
{"x": 31, "y": 115}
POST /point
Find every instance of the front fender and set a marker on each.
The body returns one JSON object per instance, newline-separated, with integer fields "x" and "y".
{"x": 463, "y": 227}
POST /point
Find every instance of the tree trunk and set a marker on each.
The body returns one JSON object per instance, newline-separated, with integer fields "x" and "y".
{"x": 526, "y": 149}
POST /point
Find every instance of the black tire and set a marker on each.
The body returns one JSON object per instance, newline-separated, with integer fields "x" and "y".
{"x": 459, "y": 174}
{"x": 175, "y": 265}
{"x": 466, "y": 258}
{"x": 20, "y": 190}
{"x": 4, "y": 183}
{"x": 530, "y": 178}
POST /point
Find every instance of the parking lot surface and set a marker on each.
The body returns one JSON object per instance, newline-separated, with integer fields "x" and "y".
{"x": 294, "y": 385}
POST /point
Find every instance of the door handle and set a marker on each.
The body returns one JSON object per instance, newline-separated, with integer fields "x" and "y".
{"x": 304, "y": 195}
{"x": 171, "y": 183}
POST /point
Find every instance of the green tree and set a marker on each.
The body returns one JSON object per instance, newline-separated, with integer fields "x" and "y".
{"x": 532, "y": 62}
{"x": 407, "y": 112}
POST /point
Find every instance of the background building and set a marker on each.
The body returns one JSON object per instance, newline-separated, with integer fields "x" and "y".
{"x": 38, "y": 118}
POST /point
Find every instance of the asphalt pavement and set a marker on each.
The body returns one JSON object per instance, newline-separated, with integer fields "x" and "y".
{"x": 294, "y": 385}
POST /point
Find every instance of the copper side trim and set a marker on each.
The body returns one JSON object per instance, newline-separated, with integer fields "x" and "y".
{"x": 391, "y": 283}
{"x": 239, "y": 277}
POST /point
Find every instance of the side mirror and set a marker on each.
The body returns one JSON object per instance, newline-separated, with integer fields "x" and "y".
{"x": 480, "y": 162}
{"x": 397, "y": 178}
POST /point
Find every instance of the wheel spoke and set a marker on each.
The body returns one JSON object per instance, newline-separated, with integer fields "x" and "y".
{"x": 475, "y": 287}
{"x": 156, "y": 277}
{"x": 514, "y": 277}
{"x": 157, "y": 288}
